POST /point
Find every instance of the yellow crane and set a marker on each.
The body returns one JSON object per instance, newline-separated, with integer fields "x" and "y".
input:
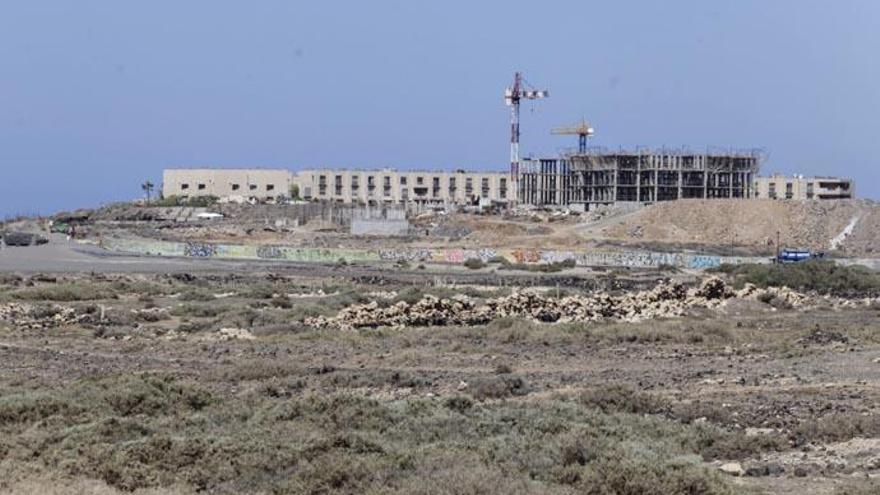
{"x": 583, "y": 130}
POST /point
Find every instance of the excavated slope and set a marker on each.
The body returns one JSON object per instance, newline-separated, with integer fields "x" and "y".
{"x": 754, "y": 223}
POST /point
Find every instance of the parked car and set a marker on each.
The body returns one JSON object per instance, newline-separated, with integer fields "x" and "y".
{"x": 24, "y": 239}
{"x": 789, "y": 255}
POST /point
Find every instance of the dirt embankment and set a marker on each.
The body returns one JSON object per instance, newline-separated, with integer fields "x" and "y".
{"x": 755, "y": 223}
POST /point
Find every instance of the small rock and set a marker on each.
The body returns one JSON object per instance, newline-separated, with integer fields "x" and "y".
{"x": 732, "y": 468}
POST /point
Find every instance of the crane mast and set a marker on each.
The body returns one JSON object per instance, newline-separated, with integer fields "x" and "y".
{"x": 512, "y": 97}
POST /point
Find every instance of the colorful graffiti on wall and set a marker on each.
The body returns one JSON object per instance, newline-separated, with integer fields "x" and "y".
{"x": 199, "y": 250}
{"x": 641, "y": 259}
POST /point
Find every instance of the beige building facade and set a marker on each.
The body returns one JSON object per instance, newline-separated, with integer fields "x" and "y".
{"x": 393, "y": 186}
{"x": 386, "y": 186}
{"x": 247, "y": 183}
{"x": 803, "y": 188}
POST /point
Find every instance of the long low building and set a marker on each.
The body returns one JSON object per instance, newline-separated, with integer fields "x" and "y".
{"x": 223, "y": 183}
{"x": 393, "y": 186}
{"x": 385, "y": 186}
{"x": 802, "y": 188}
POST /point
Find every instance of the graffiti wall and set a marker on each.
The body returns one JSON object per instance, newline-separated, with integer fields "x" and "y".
{"x": 639, "y": 259}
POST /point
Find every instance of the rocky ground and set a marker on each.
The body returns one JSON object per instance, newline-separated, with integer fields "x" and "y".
{"x": 216, "y": 382}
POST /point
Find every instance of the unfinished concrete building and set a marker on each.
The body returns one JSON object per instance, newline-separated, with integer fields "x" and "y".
{"x": 593, "y": 178}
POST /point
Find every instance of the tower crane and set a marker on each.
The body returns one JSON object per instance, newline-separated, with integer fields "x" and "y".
{"x": 583, "y": 131}
{"x": 512, "y": 97}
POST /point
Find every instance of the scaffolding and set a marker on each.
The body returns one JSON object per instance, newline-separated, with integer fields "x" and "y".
{"x": 594, "y": 177}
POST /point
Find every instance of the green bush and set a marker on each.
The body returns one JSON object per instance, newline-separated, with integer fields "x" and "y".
{"x": 620, "y": 398}
{"x": 554, "y": 267}
{"x": 822, "y": 276}
{"x": 196, "y": 295}
{"x": 474, "y": 263}
{"x": 65, "y": 293}
{"x": 196, "y": 311}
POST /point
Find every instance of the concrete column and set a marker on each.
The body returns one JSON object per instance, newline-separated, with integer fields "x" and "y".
{"x": 656, "y": 167}
{"x": 678, "y": 168}
{"x": 639, "y": 179}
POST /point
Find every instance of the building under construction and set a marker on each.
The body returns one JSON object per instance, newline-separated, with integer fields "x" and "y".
{"x": 594, "y": 177}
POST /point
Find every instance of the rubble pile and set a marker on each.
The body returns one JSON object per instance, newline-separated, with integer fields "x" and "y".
{"x": 782, "y": 295}
{"x": 29, "y": 316}
{"x": 668, "y": 299}
{"x": 430, "y": 310}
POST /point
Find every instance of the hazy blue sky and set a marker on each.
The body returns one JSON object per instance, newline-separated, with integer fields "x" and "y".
{"x": 97, "y": 96}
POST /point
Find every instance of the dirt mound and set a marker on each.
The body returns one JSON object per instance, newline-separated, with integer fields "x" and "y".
{"x": 754, "y": 223}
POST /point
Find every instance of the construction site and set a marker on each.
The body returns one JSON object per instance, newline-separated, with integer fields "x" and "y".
{"x": 600, "y": 322}
{"x": 592, "y": 178}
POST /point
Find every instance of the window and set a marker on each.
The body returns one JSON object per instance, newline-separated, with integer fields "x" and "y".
{"x": 337, "y": 185}
{"x": 484, "y": 187}
{"x": 452, "y": 186}
{"x": 322, "y": 185}
{"x": 201, "y": 187}
{"x": 403, "y": 180}
{"x": 252, "y": 187}
{"x": 502, "y": 188}
{"x": 468, "y": 186}
{"x": 270, "y": 187}
{"x": 771, "y": 191}
{"x": 371, "y": 184}
{"x": 236, "y": 187}
{"x": 420, "y": 180}
{"x": 386, "y": 186}
{"x": 184, "y": 187}
{"x": 810, "y": 190}
{"x": 435, "y": 184}
{"x": 355, "y": 183}
{"x": 789, "y": 192}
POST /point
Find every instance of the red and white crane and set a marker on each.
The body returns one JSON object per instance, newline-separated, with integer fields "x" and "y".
{"x": 512, "y": 97}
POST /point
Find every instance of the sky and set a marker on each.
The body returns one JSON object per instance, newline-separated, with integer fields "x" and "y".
{"x": 97, "y": 96}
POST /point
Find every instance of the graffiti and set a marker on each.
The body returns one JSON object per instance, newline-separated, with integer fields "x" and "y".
{"x": 405, "y": 255}
{"x": 635, "y": 259}
{"x": 487, "y": 254}
{"x": 454, "y": 256}
{"x": 701, "y": 262}
{"x": 269, "y": 252}
{"x": 199, "y": 250}
{"x": 557, "y": 256}
{"x": 526, "y": 256}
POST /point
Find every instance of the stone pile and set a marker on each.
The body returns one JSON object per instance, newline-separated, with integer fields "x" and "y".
{"x": 428, "y": 311}
{"x": 666, "y": 300}
{"x": 29, "y": 316}
{"x": 782, "y": 295}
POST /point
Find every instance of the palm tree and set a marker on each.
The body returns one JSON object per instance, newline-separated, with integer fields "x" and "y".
{"x": 148, "y": 188}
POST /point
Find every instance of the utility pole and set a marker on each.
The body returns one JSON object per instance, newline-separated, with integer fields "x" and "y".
{"x": 776, "y": 258}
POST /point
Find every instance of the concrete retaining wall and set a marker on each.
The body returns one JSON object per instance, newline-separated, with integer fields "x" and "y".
{"x": 379, "y": 227}
{"x": 636, "y": 259}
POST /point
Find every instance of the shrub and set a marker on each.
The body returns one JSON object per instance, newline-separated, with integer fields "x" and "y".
{"x": 822, "y": 276}
{"x": 65, "y": 293}
{"x": 196, "y": 311}
{"x": 621, "y": 398}
{"x": 196, "y": 295}
{"x": 474, "y": 263}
